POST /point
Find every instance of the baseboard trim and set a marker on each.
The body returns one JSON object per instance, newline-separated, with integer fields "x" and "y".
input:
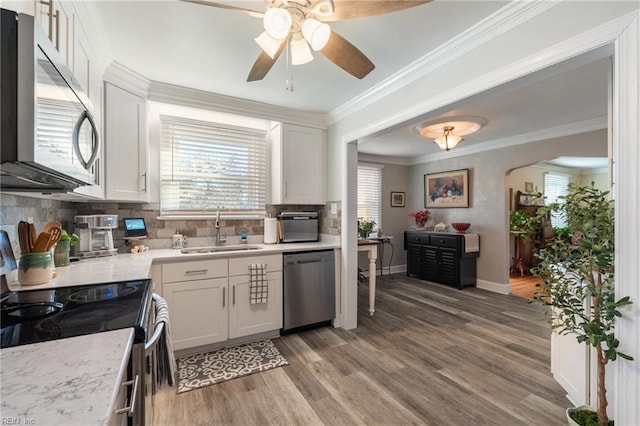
{"x": 495, "y": 287}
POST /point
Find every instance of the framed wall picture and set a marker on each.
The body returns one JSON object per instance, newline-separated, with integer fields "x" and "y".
{"x": 528, "y": 187}
{"x": 397, "y": 199}
{"x": 447, "y": 189}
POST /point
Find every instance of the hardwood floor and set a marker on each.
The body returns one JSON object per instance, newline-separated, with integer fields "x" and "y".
{"x": 431, "y": 355}
{"x": 525, "y": 286}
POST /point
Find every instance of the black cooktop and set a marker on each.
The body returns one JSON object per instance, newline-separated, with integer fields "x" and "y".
{"x": 39, "y": 315}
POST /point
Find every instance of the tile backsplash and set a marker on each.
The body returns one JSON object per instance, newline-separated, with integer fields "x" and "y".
{"x": 14, "y": 208}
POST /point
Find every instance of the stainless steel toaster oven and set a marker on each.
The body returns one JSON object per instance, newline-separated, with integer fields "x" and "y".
{"x": 298, "y": 226}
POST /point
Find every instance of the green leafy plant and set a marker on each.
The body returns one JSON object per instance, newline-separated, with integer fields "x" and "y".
{"x": 578, "y": 279}
{"x": 72, "y": 238}
{"x": 522, "y": 224}
{"x": 365, "y": 227}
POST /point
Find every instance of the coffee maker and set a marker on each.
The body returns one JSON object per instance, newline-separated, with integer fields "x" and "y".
{"x": 95, "y": 232}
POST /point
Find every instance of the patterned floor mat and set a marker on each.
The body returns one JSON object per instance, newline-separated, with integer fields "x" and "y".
{"x": 200, "y": 370}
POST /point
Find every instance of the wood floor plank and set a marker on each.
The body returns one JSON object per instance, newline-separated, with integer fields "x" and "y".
{"x": 431, "y": 355}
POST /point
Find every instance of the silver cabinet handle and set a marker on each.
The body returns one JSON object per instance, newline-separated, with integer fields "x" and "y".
{"x": 131, "y": 408}
{"x": 145, "y": 182}
{"x": 234, "y": 295}
{"x": 223, "y": 295}
{"x": 196, "y": 272}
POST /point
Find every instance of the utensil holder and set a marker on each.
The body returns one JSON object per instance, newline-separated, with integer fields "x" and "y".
{"x": 35, "y": 268}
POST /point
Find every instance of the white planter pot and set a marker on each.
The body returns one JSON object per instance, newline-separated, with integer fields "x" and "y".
{"x": 570, "y": 421}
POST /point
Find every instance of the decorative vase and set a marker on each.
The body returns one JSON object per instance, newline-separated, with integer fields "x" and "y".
{"x": 35, "y": 268}
{"x": 364, "y": 235}
{"x": 61, "y": 254}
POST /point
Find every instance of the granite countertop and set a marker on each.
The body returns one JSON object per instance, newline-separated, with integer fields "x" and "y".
{"x": 73, "y": 381}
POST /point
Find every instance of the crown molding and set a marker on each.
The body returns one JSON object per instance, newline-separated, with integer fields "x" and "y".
{"x": 127, "y": 79}
{"x": 525, "y": 138}
{"x": 508, "y": 17}
{"x": 179, "y": 95}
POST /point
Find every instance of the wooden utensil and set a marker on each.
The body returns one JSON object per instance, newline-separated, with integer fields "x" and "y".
{"x": 56, "y": 233}
{"x": 53, "y": 224}
{"x": 23, "y": 236}
{"x": 42, "y": 242}
{"x": 33, "y": 236}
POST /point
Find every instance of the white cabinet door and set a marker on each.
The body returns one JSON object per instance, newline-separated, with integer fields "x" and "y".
{"x": 246, "y": 318}
{"x": 299, "y": 165}
{"x": 198, "y": 312}
{"x": 63, "y": 30}
{"x": 89, "y": 78}
{"x": 126, "y": 145}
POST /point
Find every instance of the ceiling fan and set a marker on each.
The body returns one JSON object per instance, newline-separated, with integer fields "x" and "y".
{"x": 301, "y": 25}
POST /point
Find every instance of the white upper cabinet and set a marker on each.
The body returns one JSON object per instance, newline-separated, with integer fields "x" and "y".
{"x": 298, "y": 165}
{"x": 89, "y": 77}
{"x": 126, "y": 145}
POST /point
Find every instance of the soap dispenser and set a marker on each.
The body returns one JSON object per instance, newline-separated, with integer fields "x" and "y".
{"x": 177, "y": 240}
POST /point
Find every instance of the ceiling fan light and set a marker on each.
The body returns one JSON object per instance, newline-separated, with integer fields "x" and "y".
{"x": 300, "y": 52}
{"x": 316, "y": 33}
{"x": 277, "y": 22}
{"x": 269, "y": 44}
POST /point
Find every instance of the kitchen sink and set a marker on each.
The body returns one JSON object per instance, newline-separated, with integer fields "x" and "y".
{"x": 218, "y": 249}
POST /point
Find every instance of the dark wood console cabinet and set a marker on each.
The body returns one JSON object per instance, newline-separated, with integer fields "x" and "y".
{"x": 440, "y": 258}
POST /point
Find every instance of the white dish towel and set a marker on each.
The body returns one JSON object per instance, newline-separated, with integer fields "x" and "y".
{"x": 258, "y": 284}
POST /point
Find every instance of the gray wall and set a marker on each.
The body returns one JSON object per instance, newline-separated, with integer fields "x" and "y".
{"x": 488, "y": 211}
{"x": 395, "y": 220}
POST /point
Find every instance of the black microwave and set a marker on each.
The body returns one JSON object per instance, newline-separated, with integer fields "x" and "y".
{"x": 49, "y": 139}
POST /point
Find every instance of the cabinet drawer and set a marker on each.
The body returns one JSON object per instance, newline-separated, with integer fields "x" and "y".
{"x": 198, "y": 270}
{"x": 416, "y": 238}
{"x": 444, "y": 241}
{"x": 240, "y": 265}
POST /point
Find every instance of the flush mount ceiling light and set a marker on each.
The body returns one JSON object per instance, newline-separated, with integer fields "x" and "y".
{"x": 296, "y": 25}
{"x": 447, "y": 132}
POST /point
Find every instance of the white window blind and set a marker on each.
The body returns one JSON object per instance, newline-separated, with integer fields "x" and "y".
{"x": 206, "y": 166}
{"x": 370, "y": 193}
{"x": 556, "y": 186}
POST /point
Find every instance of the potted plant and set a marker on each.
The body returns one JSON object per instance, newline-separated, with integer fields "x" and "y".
{"x": 578, "y": 281}
{"x": 63, "y": 246}
{"x": 365, "y": 227}
{"x": 421, "y": 217}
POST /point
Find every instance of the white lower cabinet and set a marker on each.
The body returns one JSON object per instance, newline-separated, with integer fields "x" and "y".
{"x": 209, "y": 300}
{"x": 198, "y": 312}
{"x": 246, "y": 319}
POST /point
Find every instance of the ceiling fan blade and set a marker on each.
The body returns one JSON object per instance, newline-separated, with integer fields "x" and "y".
{"x": 347, "y": 56}
{"x": 349, "y": 9}
{"x": 263, "y": 64}
{"x": 249, "y": 12}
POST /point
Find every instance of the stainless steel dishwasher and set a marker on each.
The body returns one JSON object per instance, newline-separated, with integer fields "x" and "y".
{"x": 309, "y": 288}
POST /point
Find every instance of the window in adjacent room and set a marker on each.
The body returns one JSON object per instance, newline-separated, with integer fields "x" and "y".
{"x": 207, "y": 166}
{"x": 556, "y": 185}
{"x": 370, "y": 193}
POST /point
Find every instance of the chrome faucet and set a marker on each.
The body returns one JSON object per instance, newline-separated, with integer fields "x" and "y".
{"x": 219, "y": 240}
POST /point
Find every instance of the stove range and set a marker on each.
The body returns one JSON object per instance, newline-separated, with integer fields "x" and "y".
{"x": 33, "y": 316}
